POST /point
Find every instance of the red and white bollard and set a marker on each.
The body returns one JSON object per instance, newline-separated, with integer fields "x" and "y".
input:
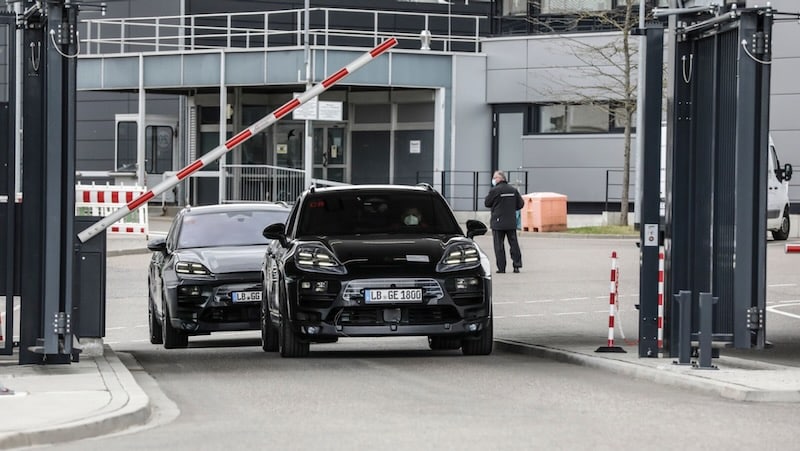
{"x": 660, "y": 303}
{"x": 612, "y": 306}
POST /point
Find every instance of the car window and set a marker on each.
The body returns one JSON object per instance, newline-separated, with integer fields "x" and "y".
{"x": 235, "y": 228}
{"x": 366, "y": 212}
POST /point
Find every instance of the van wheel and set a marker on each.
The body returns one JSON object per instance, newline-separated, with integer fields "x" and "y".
{"x": 783, "y": 233}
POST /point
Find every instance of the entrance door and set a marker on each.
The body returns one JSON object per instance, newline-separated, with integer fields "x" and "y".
{"x": 370, "y": 157}
{"x": 330, "y": 161}
{"x": 205, "y": 186}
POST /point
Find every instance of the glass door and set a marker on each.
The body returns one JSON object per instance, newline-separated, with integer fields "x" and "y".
{"x": 330, "y": 159}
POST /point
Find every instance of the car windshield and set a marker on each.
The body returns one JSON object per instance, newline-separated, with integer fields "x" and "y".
{"x": 231, "y": 228}
{"x": 337, "y": 213}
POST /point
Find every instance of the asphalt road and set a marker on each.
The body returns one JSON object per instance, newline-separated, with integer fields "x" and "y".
{"x": 395, "y": 393}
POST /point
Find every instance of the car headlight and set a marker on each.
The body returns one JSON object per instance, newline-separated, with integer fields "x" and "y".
{"x": 315, "y": 258}
{"x": 458, "y": 257}
{"x": 195, "y": 269}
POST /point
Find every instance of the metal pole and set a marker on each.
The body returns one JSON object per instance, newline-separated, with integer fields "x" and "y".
{"x": 639, "y": 119}
{"x": 704, "y": 337}
{"x": 684, "y": 302}
{"x": 309, "y": 131}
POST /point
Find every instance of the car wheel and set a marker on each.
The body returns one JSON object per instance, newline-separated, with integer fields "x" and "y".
{"x": 269, "y": 336}
{"x": 172, "y": 338}
{"x": 289, "y": 343}
{"x": 482, "y": 345}
{"x": 156, "y": 335}
{"x": 783, "y": 233}
{"x": 444, "y": 343}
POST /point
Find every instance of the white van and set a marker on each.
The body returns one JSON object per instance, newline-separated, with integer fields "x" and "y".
{"x": 777, "y": 190}
{"x": 777, "y": 195}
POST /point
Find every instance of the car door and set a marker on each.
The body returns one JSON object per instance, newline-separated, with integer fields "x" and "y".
{"x": 775, "y": 191}
{"x": 276, "y": 254}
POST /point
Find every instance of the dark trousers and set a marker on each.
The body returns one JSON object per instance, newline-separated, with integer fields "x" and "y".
{"x": 500, "y": 248}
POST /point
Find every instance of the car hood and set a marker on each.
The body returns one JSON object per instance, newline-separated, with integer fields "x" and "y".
{"x": 221, "y": 260}
{"x": 360, "y": 252}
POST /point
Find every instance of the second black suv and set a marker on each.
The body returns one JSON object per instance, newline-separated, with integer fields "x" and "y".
{"x": 378, "y": 260}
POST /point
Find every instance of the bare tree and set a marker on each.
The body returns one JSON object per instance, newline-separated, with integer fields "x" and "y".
{"x": 607, "y": 73}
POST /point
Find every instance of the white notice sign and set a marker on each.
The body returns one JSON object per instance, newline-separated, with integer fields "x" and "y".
{"x": 305, "y": 111}
{"x": 329, "y": 111}
{"x": 414, "y": 146}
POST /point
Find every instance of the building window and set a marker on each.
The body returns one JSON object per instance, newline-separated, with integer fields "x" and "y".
{"x": 126, "y": 147}
{"x": 576, "y": 118}
{"x": 571, "y": 6}
{"x": 515, "y": 7}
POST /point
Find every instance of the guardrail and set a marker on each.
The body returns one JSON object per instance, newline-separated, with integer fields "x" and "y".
{"x": 465, "y": 190}
{"x": 261, "y": 30}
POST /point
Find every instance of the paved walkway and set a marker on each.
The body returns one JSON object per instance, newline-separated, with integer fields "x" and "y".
{"x": 98, "y": 395}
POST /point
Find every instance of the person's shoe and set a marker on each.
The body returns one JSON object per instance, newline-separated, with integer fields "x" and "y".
{"x": 516, "y": 270}
{"x": 501, "y": 271}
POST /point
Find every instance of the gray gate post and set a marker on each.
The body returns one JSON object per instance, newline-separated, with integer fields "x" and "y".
{"x": 706, "y": 326}
{"x": 684, "y": 301}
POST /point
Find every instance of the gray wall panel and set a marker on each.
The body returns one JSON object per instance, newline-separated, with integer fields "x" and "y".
{"x": 201, "y": 69}
{"x": 376, "y": 72}
{"x": 505, "y": 86}
{"x": 784, "y": 111}
{"x": 121, "y": 72}
{"x": 422, "y": 70}
{"x": 244, "y": 68}
{"x": 504, "y": 54}
{"x": 162, "y": 71}
{"x": 472, "y": 115}
{"x": 283, "y": 67}
{"x": 574, "y": 165}
{"x": 89, "y": 73}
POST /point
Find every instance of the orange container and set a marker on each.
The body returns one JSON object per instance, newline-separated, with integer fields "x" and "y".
{"x": 544, "y": 212}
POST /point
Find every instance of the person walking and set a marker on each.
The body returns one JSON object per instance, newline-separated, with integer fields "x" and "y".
{"x": 504, "y": 200}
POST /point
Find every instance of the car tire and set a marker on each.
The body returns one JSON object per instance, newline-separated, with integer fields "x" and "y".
{"x": 269, "y": 336}
{"x": 444, "y": 343}
{"x": 482, "y": 345}
{"x": 156, "y": 332}
{"x": 173, "y": 339}
{"x": 782, "y": 234}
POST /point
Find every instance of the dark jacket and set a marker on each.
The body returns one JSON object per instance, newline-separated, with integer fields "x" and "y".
{"x": 504, "y": 200}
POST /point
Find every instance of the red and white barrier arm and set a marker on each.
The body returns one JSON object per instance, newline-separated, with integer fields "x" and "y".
{"x": 241, "y": 137}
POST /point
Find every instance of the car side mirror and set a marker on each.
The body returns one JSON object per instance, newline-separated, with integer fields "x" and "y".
{"x": 158, "y": 245}
{"x": 276, "y": 231}
{"x": 787, "y": 172}
{"x": 475, "y": 228}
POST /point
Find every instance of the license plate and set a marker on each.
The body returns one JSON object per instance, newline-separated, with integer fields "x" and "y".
{"x": 393, "y": 295}
{"x": 246, "y": 296}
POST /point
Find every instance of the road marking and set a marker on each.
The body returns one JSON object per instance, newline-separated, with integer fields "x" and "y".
{"x": 539, "y": 302}
{"x": 778, "y": 285}
{"x": 569, "y": 313}
{"x": 575, "y": 299}
{"x": 529, "y": 315}
{"x": 116, "y": 328}
{"x": 499, "y": 317}
{"x": 774, "y": 309}
{"x": 141, "y": 326}
{"x": 504, "y": 303}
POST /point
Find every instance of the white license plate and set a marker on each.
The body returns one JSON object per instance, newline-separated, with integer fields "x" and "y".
{"x": 246, "y": 296}
{"x": 393, "y": 295}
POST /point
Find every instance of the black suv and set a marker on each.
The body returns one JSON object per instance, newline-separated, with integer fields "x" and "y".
{"x": 370, "y": 261}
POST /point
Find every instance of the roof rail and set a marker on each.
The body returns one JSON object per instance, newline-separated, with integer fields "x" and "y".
{"x": 427, "y": 186}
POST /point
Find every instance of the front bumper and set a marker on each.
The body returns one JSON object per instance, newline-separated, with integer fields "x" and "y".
{"x": 203, "y": 306}
{"x": 341, "y": 310}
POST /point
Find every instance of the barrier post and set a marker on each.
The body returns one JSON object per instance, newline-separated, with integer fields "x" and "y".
{"x": 612, "y": 301}
{"x": 660, "y": 320}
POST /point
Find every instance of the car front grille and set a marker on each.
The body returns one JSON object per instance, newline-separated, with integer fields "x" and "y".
{"x": 415, "y": 315}
{"x": 231, "y": 314}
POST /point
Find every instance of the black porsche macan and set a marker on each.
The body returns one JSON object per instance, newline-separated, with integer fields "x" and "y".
{"x": 370, "y": 261}
{"x": 205, "y": 274}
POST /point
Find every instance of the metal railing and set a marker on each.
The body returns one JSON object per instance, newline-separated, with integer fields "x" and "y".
{"x": 465, "y": 190}
{"x": 259, "y": 183}
{"x": 614, "y": 187}
{"x": 261, "y": 30}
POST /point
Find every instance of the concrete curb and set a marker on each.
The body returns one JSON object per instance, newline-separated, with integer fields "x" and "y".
{"x": 128, "y": 406}
{"x": 666, "y": 374}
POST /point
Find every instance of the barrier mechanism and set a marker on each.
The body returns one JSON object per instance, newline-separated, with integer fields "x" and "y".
{"x": 239, "y": 138}
{"x": 102, "y": 200}
{"x": 612, "y": 301}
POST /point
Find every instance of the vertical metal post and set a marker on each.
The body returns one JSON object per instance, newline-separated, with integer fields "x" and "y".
{"x": 8, "y": 159}
{"x": 475, "y": 178}
{"x": 650, "y": 214}
{"x": 33, "y": 192}
{"x": 309, "y": 130}
{"x": 704, "y": 336}
{"x": 141, "y": 158}
{"x": 684, "y": 305}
